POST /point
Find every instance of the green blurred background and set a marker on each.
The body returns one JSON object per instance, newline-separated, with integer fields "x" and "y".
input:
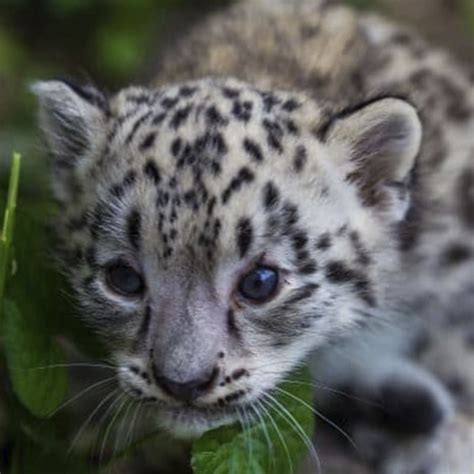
{"x": 113, "y": 42}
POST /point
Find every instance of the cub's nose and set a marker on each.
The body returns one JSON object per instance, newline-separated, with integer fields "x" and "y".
{"x": 187, "y": 390}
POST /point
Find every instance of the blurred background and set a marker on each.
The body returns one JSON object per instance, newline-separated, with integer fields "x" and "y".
{"x": 114, "y": 42}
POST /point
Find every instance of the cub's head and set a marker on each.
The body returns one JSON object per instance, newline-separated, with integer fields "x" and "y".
{"x": 216, "y": 233}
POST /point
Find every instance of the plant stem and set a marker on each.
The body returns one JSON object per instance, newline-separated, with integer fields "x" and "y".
{"x": 6, "y": 234}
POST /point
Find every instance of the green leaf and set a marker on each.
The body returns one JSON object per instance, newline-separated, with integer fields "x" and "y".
{"x": 6, "y": 234}
{"x": 272, "y": 445}
{"x": 32, "y": 360}
{"x": 33, "y": 257}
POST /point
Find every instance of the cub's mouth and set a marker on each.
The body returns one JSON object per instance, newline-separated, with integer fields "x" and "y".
{"x": 186, "y": 410}
{"x": 191, "y": 421}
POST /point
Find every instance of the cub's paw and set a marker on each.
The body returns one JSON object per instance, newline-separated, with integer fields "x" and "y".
{"x": 411, "y": 406}
{"x": 395, "y": 418}
{"x": 406, "y": 402}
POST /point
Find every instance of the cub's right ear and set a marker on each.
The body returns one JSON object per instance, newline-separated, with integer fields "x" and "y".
{"x": 72, "y": 118}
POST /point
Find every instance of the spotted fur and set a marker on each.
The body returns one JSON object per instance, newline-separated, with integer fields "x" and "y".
{"x": 337, "y": 148}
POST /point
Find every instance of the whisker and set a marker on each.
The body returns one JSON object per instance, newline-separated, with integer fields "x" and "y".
{"x": 106, "y": 414}
{"x": 114, "y": 418}
{"x": 249, "y": 432}
{"x": 298, "y": 429}
{"x": 320, "y": 415}
{"x": 278, "y": 433}
{"x": 264, "y": 429}
{"x": 67, "y": 366}
{"x": 80, "y": 394}
{"x": 243, "y": 423}
{"x": 121, "y": 427}
{"x": 89, "y": 419}
{"x": 335, "y": 391}
{"x": 135, "y": 416}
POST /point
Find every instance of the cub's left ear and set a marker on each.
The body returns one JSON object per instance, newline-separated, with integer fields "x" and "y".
{"x": 72, "y": 118}
{"x": 376, "y": 144}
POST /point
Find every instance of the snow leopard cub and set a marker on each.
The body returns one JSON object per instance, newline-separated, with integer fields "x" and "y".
{"x": 298, "y": 180}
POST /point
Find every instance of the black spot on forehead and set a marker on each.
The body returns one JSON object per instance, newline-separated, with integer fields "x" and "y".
{"x": 253, "y": 149}
{"x": 291, "y": 127}
{"x": 244, "y": 175}
{"x": 271, "y": 196}
{"x": 119, "y": 190}
{"x": 300, "y": 158}
{"x": 133, "y": 228}
{"x": 148, "y": 141}
{"x": 176, "y": 146}
{"x": 338, "y": 272}
{"x": 211, "y": 205}
{"x": 217, "y": 142}
{"x": 307, "y": 268}
{"x": 187, "y": 91}
{"x": 290, "y": 214}
{"x": 163, "y": 198}
{"x": 244, "y": 236}
{"x": 169, "y": 102}
{"x": 291, "y": 105}
{"x": 138, "y": 122}
{"x": 299, "y": 240}
{"x": 190, "y": 197}
{"x": 158, "y": 118}
{"x": 324, "y": 241}
{"x": 180, "y": 116}
{"x": 152, "y": 172}
{"x": 269, "y": 101}
{"x": 242, "y": 110}
{"x": 230, "y": 93}
{"x": 274, "y": 134}
{"x": 214, "y": 116}
{"x": 139, "y": 98}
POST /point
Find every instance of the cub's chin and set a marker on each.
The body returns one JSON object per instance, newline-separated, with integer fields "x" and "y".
{"x": 188, "y": 423}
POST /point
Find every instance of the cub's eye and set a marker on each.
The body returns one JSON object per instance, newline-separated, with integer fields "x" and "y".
{"x": 259, "y": 285}
{"x": 124, "y": 280}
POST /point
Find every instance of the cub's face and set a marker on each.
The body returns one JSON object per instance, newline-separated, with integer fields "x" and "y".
{"x": 216, "y": 233}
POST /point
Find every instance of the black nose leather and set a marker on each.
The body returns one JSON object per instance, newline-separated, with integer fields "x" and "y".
{"x": 189, "y": 390}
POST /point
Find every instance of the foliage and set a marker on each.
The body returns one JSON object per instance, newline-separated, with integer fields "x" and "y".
{"x": 101, "y": 40}
{"x": 6, "y": 234}
{"x": 468, "y": 6}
